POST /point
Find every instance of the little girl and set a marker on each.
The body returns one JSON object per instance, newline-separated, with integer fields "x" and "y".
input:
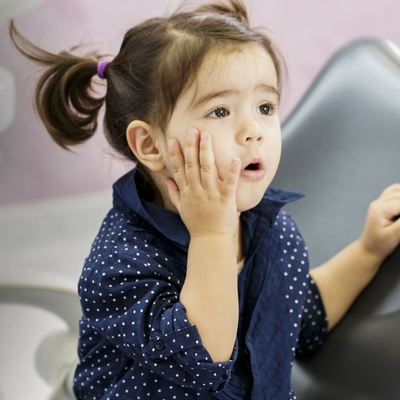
{"x": 197, "y": 284}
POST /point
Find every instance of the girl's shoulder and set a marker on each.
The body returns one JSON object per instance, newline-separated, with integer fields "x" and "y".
{"x": 118, "y": 227}
{"x": 128, "y": 242}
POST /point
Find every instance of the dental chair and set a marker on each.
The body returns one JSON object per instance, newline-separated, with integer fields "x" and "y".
{"x": 341, "y": 147}
{"x": 42, "y": 248}
{"x": 56, "y": 356}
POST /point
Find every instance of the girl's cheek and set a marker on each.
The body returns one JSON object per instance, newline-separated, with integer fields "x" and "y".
{"x": 215, "y": 124}
{"x": 223, "y": 154}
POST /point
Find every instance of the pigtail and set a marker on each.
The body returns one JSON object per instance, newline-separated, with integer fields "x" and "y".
{"x": 233, "y": 8}
{"x": 64, "y": 96}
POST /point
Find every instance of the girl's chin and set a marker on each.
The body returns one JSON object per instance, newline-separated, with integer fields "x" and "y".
{"x": 248, "y": 204}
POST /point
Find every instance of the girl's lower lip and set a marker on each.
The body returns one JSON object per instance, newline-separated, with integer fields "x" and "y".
{"x": 252, "y": 174}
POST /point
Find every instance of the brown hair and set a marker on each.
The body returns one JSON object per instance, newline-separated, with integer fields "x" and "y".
{"x": 157, "y": 60}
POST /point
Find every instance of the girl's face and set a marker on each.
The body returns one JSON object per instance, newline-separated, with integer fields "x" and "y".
{"x": 235, "y": 99}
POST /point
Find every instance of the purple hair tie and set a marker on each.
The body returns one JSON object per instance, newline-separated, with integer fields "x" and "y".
{"x": 101, "y": 68}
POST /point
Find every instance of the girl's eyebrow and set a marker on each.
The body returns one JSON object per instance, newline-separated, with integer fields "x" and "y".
{"x": 212, "y": 95}
{"x": 224, "y": 93}
{"x": 269, "y": 89}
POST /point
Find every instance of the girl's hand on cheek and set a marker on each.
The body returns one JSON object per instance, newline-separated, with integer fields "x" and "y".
{"x": 206, "y": 204}
{"x": 381, "y": 233}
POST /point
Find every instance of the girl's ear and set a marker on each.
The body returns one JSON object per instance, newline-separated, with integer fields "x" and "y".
{"x": 143, "y": 143}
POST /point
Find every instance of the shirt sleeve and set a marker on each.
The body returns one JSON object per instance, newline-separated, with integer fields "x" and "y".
{"x": 314, "y": 322}
{"x": 131, "y": 298}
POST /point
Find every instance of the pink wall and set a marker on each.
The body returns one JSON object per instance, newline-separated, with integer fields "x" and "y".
{"x": 32, "y": 167}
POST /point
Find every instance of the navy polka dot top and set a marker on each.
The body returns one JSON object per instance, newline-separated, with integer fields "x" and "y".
{"x": 135, "y": 339}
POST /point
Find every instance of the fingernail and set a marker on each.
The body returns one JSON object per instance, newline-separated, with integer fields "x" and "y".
{"x": 203, "y": 136}
{"x": 192, "y": 132}
{"x": 171, "y": 143}
{"x": 236, "y": 161}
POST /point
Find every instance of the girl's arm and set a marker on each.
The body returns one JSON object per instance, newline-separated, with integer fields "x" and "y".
{"x": 207, "y": 205}
{"x": 343, "y": 278}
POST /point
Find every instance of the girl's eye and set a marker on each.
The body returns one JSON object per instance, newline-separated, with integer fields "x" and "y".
{"x": 265, "y": 109}
{"x": 220, "y": 112}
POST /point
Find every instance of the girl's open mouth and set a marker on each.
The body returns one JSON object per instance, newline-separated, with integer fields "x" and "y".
{"x": 254, "y": 170}
{"x": 252, "y": 167}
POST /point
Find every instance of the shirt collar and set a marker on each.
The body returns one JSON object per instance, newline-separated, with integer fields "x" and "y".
{"x": 169, "y": 224}
{"x": 127, "y": 199}
{"x": 274, "y": 199}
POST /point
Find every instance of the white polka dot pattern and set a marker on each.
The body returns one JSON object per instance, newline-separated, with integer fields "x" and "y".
{"x": 132, "y": 319}
{"x": 135, "y": 339}
{"x": 306, "y": 311}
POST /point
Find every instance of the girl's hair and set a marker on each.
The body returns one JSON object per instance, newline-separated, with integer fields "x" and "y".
{"x": 157, "y": 61}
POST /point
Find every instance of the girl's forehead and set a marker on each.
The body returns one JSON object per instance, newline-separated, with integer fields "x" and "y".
{"x": 245, "y": 67}
{"x": 224, "y": 60}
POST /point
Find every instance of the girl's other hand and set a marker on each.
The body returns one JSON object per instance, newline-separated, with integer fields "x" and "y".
{"x": 381, "y": 233}
{"x": 205, "y": 202}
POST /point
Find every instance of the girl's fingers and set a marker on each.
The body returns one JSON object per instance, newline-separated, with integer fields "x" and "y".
{"x": 392, "y": 190}
{"x": 178, "y": 163}
{"x": 208, "y": 171}
{"x": 383, "y": 222}
{"x": 394, "y": 229}
{"x": 173, "y": 192}
{"x": 197, "y": 169}
{"x": 229, "y": 184}
{"x": 192, "y": 167}
{"x": 387, "y": 205}
{"x": 391, "y": 209}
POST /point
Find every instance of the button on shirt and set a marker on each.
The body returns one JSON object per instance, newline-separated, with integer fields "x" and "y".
{"x": 135, "y": 339}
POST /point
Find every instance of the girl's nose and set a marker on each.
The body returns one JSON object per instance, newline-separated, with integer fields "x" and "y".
{"x": 250, "y": 132}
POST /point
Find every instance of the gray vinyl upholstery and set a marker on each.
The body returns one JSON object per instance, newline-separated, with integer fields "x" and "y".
{"x": 341, "y": 147}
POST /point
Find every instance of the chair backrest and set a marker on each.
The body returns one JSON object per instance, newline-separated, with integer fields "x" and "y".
{"x": 341, "y": 147}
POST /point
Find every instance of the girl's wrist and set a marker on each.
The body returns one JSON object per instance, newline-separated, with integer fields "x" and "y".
{"x": 211, "y": 235}
{"x": 373, "y": 257}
